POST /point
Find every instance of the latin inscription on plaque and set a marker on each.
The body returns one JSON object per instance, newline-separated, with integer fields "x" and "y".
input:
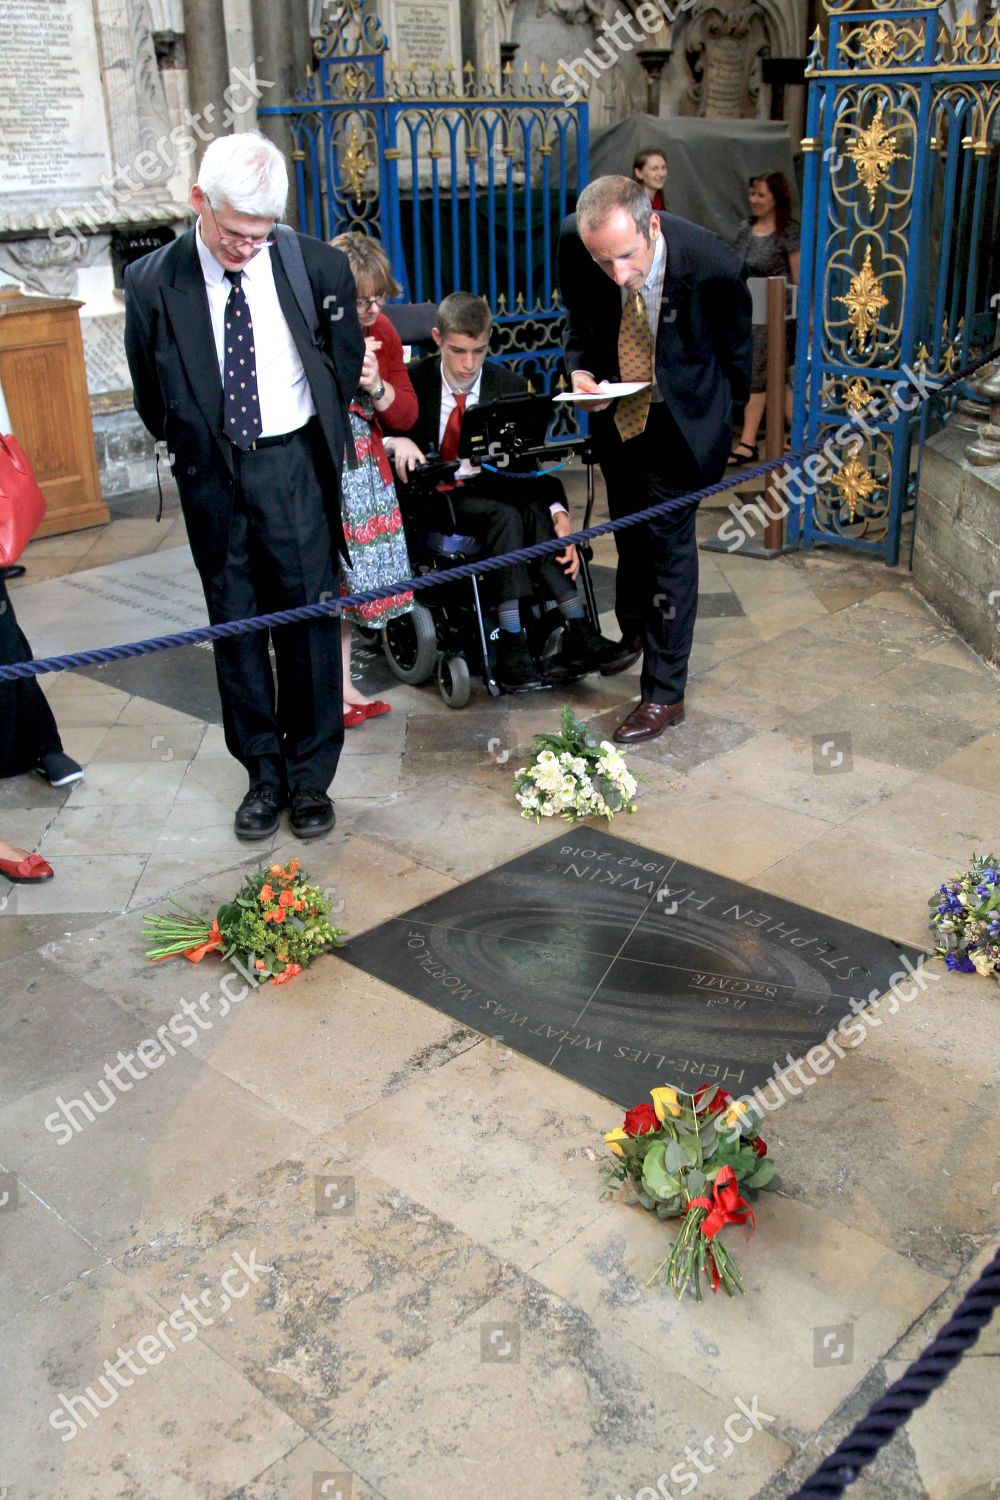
{"x": 53, "y": 129}
{"x": 422, "y": 32}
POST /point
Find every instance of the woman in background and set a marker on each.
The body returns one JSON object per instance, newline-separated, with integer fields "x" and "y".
{"x": 29, "y": 735}
{"x": 769, "y": 244}
{"x": 650, "y": 168}
{"x": 384, "y": 402}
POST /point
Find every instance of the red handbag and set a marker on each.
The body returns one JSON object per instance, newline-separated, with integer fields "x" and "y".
{"x": 22, "y": 504}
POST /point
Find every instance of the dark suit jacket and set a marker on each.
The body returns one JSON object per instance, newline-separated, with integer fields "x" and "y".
{"x": 497, "y": 381}
{"x": 178, "y": 387}
{"x": 703, "y": 344}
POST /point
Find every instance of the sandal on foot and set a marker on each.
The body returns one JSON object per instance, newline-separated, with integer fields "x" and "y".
{"x": 736, "y": 458}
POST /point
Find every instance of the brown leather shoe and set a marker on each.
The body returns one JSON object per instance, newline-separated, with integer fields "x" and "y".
{"x": 647, "y": 721}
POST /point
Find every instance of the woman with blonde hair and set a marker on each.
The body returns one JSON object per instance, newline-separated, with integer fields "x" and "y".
{"x": 384, "y": 402}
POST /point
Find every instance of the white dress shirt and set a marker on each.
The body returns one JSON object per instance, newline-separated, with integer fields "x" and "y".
{"x": 466, "y": 470}
{"x": 286, "y": 401}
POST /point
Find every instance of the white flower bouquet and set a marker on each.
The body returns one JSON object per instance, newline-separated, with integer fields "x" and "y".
{"x": 573, "y": 775}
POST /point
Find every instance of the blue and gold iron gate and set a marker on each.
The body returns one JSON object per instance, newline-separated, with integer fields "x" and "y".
{"x": 900, "y": 257}
{"x": 465, "y": 179}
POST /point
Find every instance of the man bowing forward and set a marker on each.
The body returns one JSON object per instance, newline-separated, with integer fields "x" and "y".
{"x": 244, "y": 347}
{"x": 653, "y": 298}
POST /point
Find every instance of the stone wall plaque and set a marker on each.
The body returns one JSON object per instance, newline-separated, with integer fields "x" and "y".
{"x": 53, "y": 124}
{"x": 423, "y": 32}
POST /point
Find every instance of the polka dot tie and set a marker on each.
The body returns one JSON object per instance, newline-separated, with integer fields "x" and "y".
{"x": 239, "y": 385}
{"x": 635, "y": 362}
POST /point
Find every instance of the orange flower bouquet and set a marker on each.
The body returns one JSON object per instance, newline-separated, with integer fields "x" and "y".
{"x": 275, "y": 925}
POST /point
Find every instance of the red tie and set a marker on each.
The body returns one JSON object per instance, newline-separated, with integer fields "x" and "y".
{"x": 449, "y": 443}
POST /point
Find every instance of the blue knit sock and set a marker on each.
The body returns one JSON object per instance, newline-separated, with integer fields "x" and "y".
{"x": 571, "y": 608}
{"x": 510, "y": 616}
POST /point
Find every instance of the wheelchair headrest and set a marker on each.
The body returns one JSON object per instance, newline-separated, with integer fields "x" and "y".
{"x": 413, "y": 321}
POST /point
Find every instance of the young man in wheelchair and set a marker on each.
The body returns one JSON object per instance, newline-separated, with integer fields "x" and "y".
{"x": 502, "y": 511}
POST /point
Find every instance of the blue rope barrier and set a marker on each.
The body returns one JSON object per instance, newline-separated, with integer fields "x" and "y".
{"x": 103, "y": 654}
{"x": 929, "y": 1370}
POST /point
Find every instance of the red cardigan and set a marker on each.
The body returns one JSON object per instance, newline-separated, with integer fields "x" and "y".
{"x": 401, "y": 415}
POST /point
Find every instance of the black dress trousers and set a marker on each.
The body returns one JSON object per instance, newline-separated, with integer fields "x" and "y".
{"x": 27, "y": 729}
{"x": 656, "y": 590}
{"x": 280, "y": 556}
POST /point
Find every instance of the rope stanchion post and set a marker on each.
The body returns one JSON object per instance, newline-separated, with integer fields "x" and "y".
{"x": 100, "y": 655}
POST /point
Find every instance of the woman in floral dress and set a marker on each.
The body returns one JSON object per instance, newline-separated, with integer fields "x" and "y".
{"x": 384, "y": 402}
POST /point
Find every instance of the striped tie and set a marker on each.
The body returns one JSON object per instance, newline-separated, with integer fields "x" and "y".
{"x": 635, "y": 362}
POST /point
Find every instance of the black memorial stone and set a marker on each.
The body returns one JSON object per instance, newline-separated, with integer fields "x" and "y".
{"x": 624, "y": 969}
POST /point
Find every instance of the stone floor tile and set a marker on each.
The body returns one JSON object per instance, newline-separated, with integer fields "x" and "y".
{"x": 928, "y": 685}
{"x": 937, "y": 816}
{"x": 204, "y": 829}
{"x": 84, "y": 709}
{"x": 512, "y": 1182}
{"x": 142, "y": 711}
{"x": 27, "y": 933}
{"x": 878, "y": 624}
{"x": 135, "y": 783}
{"x": 950, "y": 1469}
{"x": 771, "y": 618}
{"x": 529, "y": 1398}
{"x": 791, "y": 772}
{"x": 452, "y": 827}
{"x": 25, "y": 827}
{"x": 82, "y": 883}
{"x": 161, "y": 743}
{"x": 303, "y": 1473}
{"x": 372, "y": 775}
{"x": 187, "y": 1427}
{"x": 848, "y": 875}
{"x": 976, "y": 765}
{"x": 789, "y": 675}
{"x": 121, "y": 828}
{"x": 736, "y": 836}
{"x": 802, "y": 1270}
{"x": 955, "y": 653}
{"x": 946, "y": 1038}
{"x": 896, "y": 735}
{"x": 908, "y": 1164}
{"x": 365, "y": 1281}
{"x": 179, "y": 1136}
{"x": 42, "y": 1254}
{"x": 345, "y": 1044}
{"x": 987, "y": 1346}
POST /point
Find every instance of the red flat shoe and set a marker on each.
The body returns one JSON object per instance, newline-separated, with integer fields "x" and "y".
{"x": 376, "y": 708}
{"x": 31, "y": 870}
{"x": 354, "y": 715}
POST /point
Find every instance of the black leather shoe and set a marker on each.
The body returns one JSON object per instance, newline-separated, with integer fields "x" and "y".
{"x": 515, "y": 668}
{"x": 586, "y": 650}
{"x": 312, "y": 814}
{"x": 258, "y": 815}
{"x": 628, "y": 653}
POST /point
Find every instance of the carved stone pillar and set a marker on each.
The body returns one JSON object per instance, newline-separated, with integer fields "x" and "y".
{"x": 208, "y": 66}
{"x": 283, "y": 42}
{"x": 653, "y": 61}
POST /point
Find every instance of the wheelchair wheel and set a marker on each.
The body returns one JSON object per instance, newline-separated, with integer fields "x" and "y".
{"x": 453, "y": 681}
{"x": 410, "y": 645}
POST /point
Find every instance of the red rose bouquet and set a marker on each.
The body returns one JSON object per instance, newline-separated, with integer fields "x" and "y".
{"x": 692, "y": 1156}
{"x": 275, "y": 926}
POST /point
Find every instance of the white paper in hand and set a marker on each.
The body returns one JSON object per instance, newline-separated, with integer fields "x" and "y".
{"x": 610, "y": 391}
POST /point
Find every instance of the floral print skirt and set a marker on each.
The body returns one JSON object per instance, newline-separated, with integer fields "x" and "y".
{"x": 373, "y": 528}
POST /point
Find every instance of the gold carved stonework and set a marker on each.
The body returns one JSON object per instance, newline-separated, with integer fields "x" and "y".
{"x": 873, "y": 152}
{"x": 354, "y": 165}
{"x": 854, "y": 484}
{"x": 864, "y": 301}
